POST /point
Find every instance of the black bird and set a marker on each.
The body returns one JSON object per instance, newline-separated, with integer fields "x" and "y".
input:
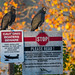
{"x": 38, "y": 19}
{"x": 8, "y": 18}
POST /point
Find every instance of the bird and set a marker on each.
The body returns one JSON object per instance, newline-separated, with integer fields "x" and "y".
{"x": 38, "y": 19}
{"x": 8, "y": 18}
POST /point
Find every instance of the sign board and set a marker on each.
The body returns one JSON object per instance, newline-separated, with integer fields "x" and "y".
{"x": 43, "y": 53}
{"x": 12, "y": 49}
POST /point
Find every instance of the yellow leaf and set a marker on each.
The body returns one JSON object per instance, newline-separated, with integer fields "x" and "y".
{"x": 61, "y": 11}
{"x": 63, "y": 35}
{"x": 55, "y": 2}
{"x": 47, "y": 20}
{"x": 6, "y": 4}
{"x": 52, "y": 4}
{"x": 65, "y": 41}
{"x": 66, "y": 69}
{"x": 23, "y": 22}
{"x": 51, "y": 25}
{"x": 68, "y": 25}
{"x": 65, "y": 9}
{"x": 15, "y": 5}
{"x": 60, "y": 22}
{"x": 69, "y": 1}
{"x": 6, "y": 8}
{"x": 5, "y": 11}
{"x": 58, "y": 29}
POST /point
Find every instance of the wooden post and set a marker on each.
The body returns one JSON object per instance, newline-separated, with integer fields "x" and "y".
{"x": 11, "y": 65}
{"x": 11, "y": 68}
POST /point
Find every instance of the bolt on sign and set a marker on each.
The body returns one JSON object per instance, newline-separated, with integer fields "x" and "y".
{"x": 12, "y": 48}
{"x": 43, "y": 53}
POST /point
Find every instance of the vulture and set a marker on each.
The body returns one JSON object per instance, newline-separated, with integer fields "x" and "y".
{"x": 8, "y": 18}
{"x": 38, "y": 19}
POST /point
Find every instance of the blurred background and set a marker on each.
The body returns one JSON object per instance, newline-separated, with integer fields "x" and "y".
{"x": 60, "y": 16}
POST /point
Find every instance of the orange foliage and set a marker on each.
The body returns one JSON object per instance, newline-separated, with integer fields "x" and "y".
{"x": 20, "y": 26}
{"x": 56, "y": 26}
{"x": 73, "y": 27}
{"x": 58, "y": 29}
{"x": 1, "y": 15}
{"x": 58, "y": 6}
{"x": 47, "y": 16}
{"x": 32, "y": 16}
{"x": 5, "y": 11}
{"x": 50, "y": 10}
{"x": 50, "y": 21}
{"x": 55, "y": 1}
{"x": 51, "y": 26}
{"x": 6, "y": 4}
{"x": 13, "y": 3}
{"x": 17, "y": 19}
{"x": 68, "y": 25}
{"x": 23, "y": 23}
{"x": 36, "y": 7}
{"x": 67, "y": 4}
{"x": 35, "y": 12}
{"x": 54, "y": 22}
{"x": 19, "y": 13}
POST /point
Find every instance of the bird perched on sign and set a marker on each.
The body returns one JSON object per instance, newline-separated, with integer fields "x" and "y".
{"x": 8, "y": 18}
{"x": 38, "y": 19}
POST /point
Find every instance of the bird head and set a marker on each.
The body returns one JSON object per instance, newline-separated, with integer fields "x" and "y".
{"x": 13, "y": 10}
{"x": 44, "y": 8}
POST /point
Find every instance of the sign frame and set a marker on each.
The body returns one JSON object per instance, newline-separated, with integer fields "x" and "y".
{"x": 34, "y": 63}
{"x": 12, "y": 48}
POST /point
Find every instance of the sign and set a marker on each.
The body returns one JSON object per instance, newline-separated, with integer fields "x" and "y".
{"x": 12, "y": 49}
{"x": 43, "y": 53}
{"x": 42, "y": 38}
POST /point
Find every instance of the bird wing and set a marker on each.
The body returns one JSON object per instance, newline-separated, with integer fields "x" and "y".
{"x": 5, "y": 21}
{"x": 12, "y": 19}
{"x": 42, "y": 19}
{"x": 35, "y": 22}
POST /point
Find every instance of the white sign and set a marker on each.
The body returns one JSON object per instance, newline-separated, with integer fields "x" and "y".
{"x": 43, "y": 53}
{"x": 12, "y": 49}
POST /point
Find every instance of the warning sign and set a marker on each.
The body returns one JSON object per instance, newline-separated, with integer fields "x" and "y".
{"x": 42, "y": 38}
{"x": 12, "y": 46}
{"x": 43, "y": 53}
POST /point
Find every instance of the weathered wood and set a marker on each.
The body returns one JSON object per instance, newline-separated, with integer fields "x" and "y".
{"x": 11, "y": 68}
